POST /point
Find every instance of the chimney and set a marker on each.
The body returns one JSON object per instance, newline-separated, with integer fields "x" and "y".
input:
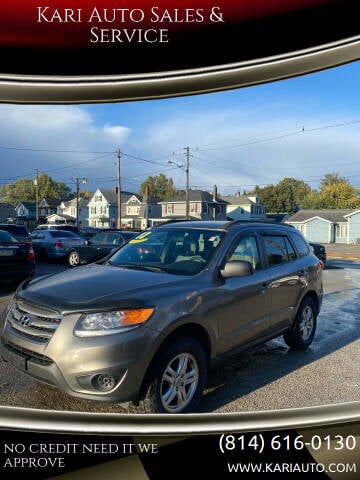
{"x": 237, "y": 194}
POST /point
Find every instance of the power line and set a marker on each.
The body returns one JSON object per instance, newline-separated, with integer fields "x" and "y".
{"x": 269, "y": 139}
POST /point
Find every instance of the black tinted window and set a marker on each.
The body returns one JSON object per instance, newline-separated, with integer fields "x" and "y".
{"x": 290, "y": 250}
{"x": 6, "y": 237}
{"x": 300, "y": 245}
{"x": 276, "y": 249}
{"x": 15, "y": 230}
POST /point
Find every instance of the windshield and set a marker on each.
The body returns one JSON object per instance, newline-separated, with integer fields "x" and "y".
{"x": 183, "y": 251}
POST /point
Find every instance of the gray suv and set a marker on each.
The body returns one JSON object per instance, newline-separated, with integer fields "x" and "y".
{"x": 145, "y": 324}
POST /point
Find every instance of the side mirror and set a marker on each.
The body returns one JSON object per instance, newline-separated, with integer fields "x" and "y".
{"x": 237, "y": 268}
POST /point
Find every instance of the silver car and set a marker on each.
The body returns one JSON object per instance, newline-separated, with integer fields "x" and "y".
{"x": 146, "y": 323}
{"x": 54, "y": 243}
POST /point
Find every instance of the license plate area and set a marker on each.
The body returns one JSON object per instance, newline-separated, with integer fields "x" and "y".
{"x": 7, "y": 252}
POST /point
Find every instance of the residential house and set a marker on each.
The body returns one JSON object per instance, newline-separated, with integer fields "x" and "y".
{"x": 328, "y": 225}
{"x": 47, "y": 206}
{"x": 103, "y": 208}
{"x": 141, "y": 213}
{"x": 26, "y": 214}
{"x": 7, "y": 211}
{"x": 66, "y": 212}
{"x": 202, "y": 206}
{"x": 244, "y": 207}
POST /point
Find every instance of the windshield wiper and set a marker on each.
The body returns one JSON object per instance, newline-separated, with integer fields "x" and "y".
{"x": 138, "y": 266}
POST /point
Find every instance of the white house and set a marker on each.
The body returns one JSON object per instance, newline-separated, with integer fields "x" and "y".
{"x": 66, "y": 212}
{"x": 103, "y": 208}
{"x": 244, "y": 207}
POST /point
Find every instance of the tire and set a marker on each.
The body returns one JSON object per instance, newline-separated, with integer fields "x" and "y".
{"x": 302, "y": 332}
{"x": 73, "y": 259}
{"x": 165, "y": 390}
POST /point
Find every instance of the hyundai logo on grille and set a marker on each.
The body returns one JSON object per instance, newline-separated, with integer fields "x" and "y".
{"x": 24, "y": 320}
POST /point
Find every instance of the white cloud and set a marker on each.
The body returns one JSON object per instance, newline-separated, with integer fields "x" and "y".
{"x": 258, "y": 157}
{"x": 29, "y": 134}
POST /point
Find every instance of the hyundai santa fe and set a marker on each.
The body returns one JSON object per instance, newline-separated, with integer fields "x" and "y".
{"x": 146, "y": 323}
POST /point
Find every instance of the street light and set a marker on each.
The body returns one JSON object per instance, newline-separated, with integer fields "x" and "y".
{"x": 77, "y": 181}
{"x": 187, "y": 188}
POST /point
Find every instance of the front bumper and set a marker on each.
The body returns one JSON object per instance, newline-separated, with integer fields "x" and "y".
{"x": 78, "y": 366}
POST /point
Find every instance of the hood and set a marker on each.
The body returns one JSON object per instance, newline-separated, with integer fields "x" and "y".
{"x": 96, "y": 287}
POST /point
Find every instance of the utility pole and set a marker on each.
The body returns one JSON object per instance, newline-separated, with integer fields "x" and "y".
{"x": 77, "y": 181}
{"x": 36, "y": 182}
{"x": 118, "y": 154}
{"x": 146, "y": 206}
{"x": 187, "y": 191}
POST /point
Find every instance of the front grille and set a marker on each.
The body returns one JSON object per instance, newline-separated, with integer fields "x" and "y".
{"x": 36, "y": 327}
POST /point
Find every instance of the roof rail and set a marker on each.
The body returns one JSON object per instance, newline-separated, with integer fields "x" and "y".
{"x": 174, "y": 221}
{"x": 267, "y": 221}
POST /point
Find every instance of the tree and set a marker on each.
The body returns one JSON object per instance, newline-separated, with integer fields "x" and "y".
{"x": 87, "y": 194}
{"x": 330, "y": 179}
{"x": 287, "y": 195}
{"x": 159, "y": 186}
{"x": 339, "y": 195}
{"x": 23, "y": 190}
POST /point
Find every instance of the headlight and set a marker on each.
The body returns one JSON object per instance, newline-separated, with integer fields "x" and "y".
{"x": 108, "y": 323}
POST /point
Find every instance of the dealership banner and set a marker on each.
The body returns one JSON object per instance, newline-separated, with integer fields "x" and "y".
{"x": 99, "y": 50}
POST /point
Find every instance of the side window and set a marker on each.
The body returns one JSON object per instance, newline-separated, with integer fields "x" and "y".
{"x": 277, "y": 249}
{"x": 300, "y": 245}
{"x": 248, "y": 251}
{"x": 100, "y": 238}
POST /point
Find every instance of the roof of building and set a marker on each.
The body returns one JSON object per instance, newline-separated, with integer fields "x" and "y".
{"x": 239, "y": 200}
{"x": 111, "y": 195}
{"x": 82, "y": 202}
{"x": 194, "y": 196}
{"x": 51, "y": 202}
{"x": 277, "y": 217}
{"x": 331, "y": 215}
{"x": 28, "y": 205}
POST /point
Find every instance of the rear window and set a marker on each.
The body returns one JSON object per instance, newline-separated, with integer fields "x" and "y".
{"x": 6, "y": 237}
{"x": 300, "y": 244}
{"x": 14, "y": 229}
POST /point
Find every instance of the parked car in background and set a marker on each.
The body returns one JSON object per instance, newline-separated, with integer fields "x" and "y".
{"x": 51, "y": 244}
{"x": 17, "y": 259}
{"x": 89, "y": 232}
{"x": 98, "y": 246}
{"x": 147, "y": 328}
{"x": 319, "y": 250}
{"x": 63, "y": 226}
{"x": 20, "y": 232}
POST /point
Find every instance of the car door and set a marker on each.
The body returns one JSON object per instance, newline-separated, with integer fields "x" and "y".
{"x": 244, "y": 302}
{"x": 287, "y": 278}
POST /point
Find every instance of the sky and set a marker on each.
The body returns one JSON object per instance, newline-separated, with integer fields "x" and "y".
{"x": 302, "y": 127}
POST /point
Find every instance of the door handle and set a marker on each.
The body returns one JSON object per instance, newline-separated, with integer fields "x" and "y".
{"x": 264, "y": 287}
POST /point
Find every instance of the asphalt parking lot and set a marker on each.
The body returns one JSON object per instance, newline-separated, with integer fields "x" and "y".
{"x": 268, "y": 377}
